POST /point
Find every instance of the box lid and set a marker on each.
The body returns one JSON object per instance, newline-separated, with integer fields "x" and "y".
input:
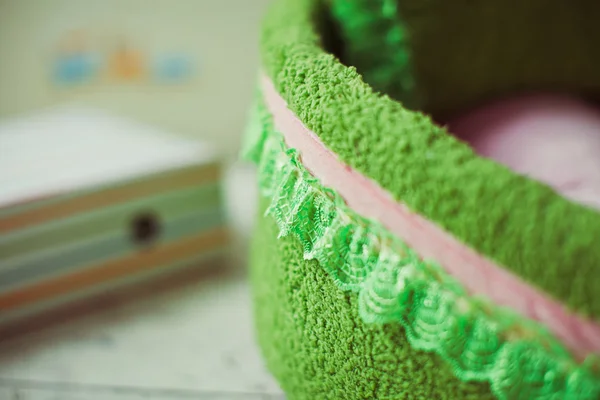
{"x": 71, "y": 148}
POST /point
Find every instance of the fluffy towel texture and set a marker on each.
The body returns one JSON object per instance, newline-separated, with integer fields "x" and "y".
{"x": 517, "y": 222}
{"x": 462, "y": 54}
{"x": 481, "y": 342}
{"x": 317, "y": 346}
{"x": 363, "y": 197}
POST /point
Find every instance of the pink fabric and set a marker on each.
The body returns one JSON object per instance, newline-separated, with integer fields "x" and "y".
{"x": 553, "y": 139}
{"x": 478, "y": 274}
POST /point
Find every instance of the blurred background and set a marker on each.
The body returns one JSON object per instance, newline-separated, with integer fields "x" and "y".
{"x": 188, "y": 66}
{"x": 120, "y": 126}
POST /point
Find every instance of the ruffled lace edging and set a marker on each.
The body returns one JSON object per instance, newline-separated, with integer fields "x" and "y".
{"x": 375, "y": 33}
{"x": 482, "y": 342}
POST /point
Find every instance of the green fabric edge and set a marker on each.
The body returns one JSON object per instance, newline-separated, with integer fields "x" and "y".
{"x": 481, "y": 342}
{"x": 463, "y": 56}
{"x": 517, "y": 222}
{"x": 377, "y": 44}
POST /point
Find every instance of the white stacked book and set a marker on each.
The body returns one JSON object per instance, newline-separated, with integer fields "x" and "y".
{"x": 90, "y": 201}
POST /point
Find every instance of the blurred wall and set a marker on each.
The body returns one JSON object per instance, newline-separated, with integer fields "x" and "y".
{"x": 222, "y": 35}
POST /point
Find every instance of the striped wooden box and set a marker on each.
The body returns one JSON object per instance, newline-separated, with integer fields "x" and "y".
{"x": 90, "y": 202}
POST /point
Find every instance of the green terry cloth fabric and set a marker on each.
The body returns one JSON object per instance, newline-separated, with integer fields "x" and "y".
{"x": 517, "y": 222}
{"x": 480, "y": 341}
{"x": 310, "y": 331}
{"x": 453, "y": 55}
{"x": 317, "y": 346}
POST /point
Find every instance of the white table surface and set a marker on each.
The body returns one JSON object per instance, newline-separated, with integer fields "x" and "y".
{"x": 187, "y": 339}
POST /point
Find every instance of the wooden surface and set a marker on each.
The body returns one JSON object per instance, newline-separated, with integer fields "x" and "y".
{"x": 190, "y": 338}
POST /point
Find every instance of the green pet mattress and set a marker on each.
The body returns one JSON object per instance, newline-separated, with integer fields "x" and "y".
{"x": 399, "y": 255}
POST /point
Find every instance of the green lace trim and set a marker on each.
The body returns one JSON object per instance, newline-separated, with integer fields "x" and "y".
{"x": 378, "y": 45}
{"x": 483, "y": 342}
